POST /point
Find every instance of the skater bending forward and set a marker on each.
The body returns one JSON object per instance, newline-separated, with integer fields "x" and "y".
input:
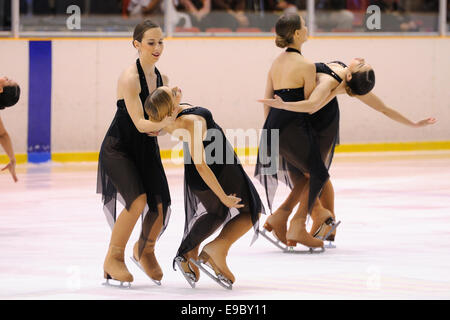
{"x": 218, "y": 192}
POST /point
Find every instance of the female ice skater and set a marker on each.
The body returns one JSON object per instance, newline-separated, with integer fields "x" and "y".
{"x": 217, "y": 189}
{"x": 9, "y": 96}
{"x": 356, "y": 80}
{"x": 300, "y": 162}
{"x": 130, "y": 167}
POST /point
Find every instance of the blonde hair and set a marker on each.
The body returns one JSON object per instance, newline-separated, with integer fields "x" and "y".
{"x": 158, "y": 105}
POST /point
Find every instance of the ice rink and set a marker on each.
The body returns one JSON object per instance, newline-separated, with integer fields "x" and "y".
{"x": 393, "y": 243}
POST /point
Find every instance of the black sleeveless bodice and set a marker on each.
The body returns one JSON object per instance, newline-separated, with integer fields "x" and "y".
{"x": 325, "y": 116}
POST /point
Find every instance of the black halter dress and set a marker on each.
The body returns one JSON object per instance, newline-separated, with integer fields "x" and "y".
{"x": 130, "y": 165}
{"x": 204, "y": 212}
{"x": 297, "y": 149}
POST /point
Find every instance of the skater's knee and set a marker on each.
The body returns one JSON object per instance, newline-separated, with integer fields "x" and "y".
{"x": 139, "y": 203}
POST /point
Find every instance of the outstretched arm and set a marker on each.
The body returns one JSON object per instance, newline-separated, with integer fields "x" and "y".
{"x": 5, "y": 142}
{"x": 376, "y": 103}
{"x": 195, "y": 142}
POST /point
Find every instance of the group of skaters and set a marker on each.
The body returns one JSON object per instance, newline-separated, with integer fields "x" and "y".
{"x": 299, "y": 103}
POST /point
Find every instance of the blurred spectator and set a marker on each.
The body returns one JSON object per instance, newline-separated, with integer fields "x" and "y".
{"x": 333, "y": 15}
{"x": 139, "y": 8}
{"x": 151, "y": 9}
{"x": 197, "y": 11}
{"x": 262, "y": 14}
{"x": 394, "y": 17}
{"x": 357, "y": 5}
{"x": 288, "y": 6}
{"x": 228, "y": 14}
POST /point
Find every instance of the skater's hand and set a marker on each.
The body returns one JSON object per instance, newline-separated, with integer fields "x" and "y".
{"x": 425, "y": 122}
{"x": 277, "y": 102}
{"x": 232, "y": 201}
{"x": 11, "y": 166}
{"x": 171, "y": 118}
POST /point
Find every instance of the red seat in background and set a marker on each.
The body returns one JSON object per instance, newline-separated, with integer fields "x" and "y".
{"x": 219, "y": 30}
{"x": 248, "y": 30}
{"x": 192, "y": 29}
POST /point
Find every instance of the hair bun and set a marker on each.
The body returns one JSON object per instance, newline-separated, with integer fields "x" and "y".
{"x": 281, "y": 42}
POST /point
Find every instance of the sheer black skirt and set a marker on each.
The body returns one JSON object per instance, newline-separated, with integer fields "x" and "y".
{"x": 306, "y": 144}
{"x": 204, "y": 212}
{"x": 129, "y": 166}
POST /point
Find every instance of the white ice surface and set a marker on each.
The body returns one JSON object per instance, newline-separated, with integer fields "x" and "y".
{"x": 393, "y": 243}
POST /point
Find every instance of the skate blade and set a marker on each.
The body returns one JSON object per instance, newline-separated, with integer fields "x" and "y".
{"x": 114, "y": 285}
{"x": 277, "y": 243}
{"x": 329, "y": 245}
{"x": 142, "y": 269}
{"x": 220, "y": 279}
{"x": 334, "y": 226}
{"x": 306, "y": 250}
{"x": 190, "y": 278}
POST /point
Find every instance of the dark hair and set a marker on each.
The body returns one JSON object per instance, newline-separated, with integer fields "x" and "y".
{"x": 361, "y": 83}
{"x": 285, "y": 28}
{"x": 158, "y": 105}
{"x": 140, "y": 29}
{"x": 9, "y": 96}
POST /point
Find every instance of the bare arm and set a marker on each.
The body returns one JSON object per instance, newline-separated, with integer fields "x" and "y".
{"x": 195, "y": 143}
{"x": 319, "y": 95}
{"x": 165, "y": 81}
{"x": 135, "y": 108}
{"x": 376, "y": 103}
{"x": 206, "y": 7}
{"x": 268, "y": 94}
{"x": 310, "y": 79}
{"x": 6, "y": 143}
{"x": 189, "y": 6}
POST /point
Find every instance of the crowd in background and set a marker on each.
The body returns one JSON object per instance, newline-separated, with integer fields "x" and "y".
{"x": 246, "y": 15}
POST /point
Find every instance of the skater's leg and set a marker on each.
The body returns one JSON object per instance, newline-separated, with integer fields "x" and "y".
{"x": 202, "y": 227}
{"x": 297, "y": 229}
{"x": 327, "y": 200}
{"x": 320, "y": 217}
{"x": 216, "y": 251}
{"x": 144, "y": 249}
{"x": 114, "y": 266}
{"x": 277, "y": 222}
